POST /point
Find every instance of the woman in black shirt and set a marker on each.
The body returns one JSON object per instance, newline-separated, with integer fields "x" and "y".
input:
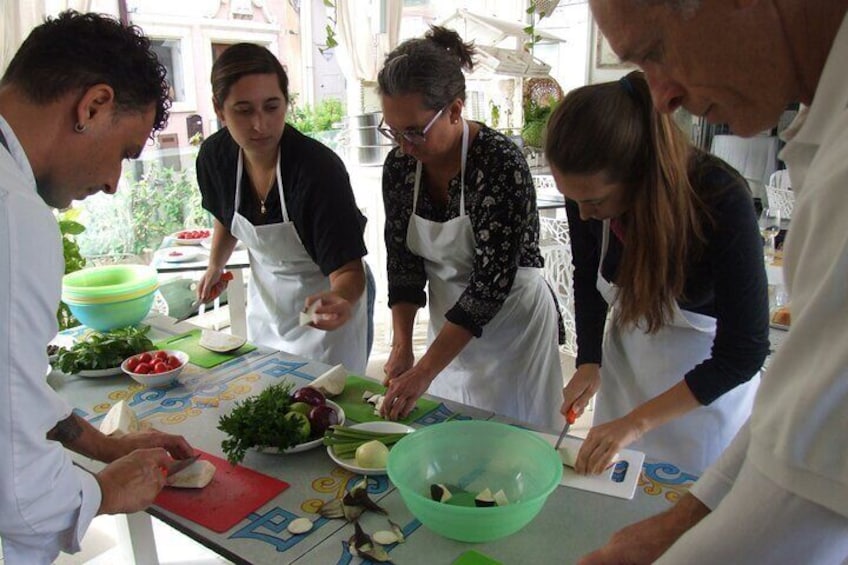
{"x": 461, "y": 218}
{"x": 288, "y": 198}
{"x": 667, "y": 236}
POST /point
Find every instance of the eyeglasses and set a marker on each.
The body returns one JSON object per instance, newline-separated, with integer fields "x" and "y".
{"x": 415, "y": 137}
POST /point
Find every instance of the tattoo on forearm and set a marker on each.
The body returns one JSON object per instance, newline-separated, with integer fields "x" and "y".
{"x": 67, "y": 431}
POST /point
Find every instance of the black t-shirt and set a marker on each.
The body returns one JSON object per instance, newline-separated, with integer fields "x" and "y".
{"x": 319, "y": 198}
{"x": 727, "y": 282}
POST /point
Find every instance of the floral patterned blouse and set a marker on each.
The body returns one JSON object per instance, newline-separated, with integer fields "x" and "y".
{"x": 500, "y": 200}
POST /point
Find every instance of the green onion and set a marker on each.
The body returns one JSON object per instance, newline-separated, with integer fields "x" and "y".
{"x": 345, "y": 441}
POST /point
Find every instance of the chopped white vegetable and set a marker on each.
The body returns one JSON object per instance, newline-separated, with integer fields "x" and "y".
{"x": 568, "y": 456}
{"x": 197, "y": 475}
{"x": 309, "y": 316}
{"x": 299, "y": 526}
{"x": 384, "y": 537}
{"x": 500, "y": 498}
{"x": 331, "y": 383}
{"x": 120, "y": 420}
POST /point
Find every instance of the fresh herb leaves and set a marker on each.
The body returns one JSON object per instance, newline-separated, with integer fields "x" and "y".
{"x": 259, "y": 421}
{"x": 103, "y": 350}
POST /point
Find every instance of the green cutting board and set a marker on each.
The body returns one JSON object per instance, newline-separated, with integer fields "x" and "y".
{"x": 189, "y": 342}
{"x": 360, "y": 411}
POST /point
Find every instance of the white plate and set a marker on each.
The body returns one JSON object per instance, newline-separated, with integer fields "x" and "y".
{"x": 195, "y": 241}
{"x": 309, "y": 444}
{"x": 380, "y": 427}
{"x": 98, "y": 373}
{"x": 180, "y": 254}
{"x": 206, "y": 242}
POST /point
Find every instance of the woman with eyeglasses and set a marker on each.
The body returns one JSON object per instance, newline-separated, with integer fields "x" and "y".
{"x": 288, "y": 198}
{"x": 461, "y": 220}
{"x": 666, "y": 237}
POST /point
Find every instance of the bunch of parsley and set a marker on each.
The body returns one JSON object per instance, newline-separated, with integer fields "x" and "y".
{"x": 259, "y": 421}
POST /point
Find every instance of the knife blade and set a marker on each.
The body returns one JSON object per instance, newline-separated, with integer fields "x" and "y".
{"x": 217, "y": 290}
{"x": 570, "y": 418}
{"x": 179, "y": 465}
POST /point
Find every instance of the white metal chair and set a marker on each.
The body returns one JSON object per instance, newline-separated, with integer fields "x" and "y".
{"x": 555, "y": 245}
{"x": 779, "y": 193}
{"x": 780, "y": 179}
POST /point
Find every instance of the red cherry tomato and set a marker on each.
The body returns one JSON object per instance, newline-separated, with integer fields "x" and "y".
{"x": 160, "y": 368}
{"x": 145, "y": 358}
{"x": 173, "y": 362}
{"x": 161, "y": 355}
{"x": 143, "y": 368}
{"x": 132, "y": 363}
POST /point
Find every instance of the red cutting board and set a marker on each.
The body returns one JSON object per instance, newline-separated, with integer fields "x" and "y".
{"x": 233, "y": 493}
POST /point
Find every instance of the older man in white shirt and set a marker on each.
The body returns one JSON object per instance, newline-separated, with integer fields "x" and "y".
{"x": 779, "y": 494}
{"x": 81, "y": 94}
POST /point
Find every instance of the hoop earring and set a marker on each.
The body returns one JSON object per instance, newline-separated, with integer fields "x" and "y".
{"x": 79, "y": 128}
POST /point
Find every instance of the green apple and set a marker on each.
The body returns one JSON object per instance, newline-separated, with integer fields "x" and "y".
{"x": 304, "y": 428}
{"x": 301, "y": 407}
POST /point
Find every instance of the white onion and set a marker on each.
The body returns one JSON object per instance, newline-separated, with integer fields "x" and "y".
{"x": 372, "y": 455}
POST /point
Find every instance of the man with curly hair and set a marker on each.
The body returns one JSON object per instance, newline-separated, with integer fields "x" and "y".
{"x": 81, "y": 94}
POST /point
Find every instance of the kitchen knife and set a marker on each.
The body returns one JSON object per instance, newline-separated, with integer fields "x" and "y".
{"x": 218, "y": 289}
{"x": 179, "y": 465}
{"x": 570, "y": 418}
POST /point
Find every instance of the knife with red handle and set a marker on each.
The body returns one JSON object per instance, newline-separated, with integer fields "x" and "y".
{"x": 570, "y": 418}
{"x": 217, "y": 289}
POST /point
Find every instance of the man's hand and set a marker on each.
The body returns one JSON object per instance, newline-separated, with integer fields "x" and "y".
{"x": 645, "y": 541}
{"x": 175, "y": 445}
{"x": 130, "y": 484}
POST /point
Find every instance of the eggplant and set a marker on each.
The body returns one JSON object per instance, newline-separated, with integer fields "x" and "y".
{"x": 484, "y": 499}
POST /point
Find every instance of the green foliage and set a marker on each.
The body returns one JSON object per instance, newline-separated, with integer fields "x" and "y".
{"x": 534, "y": 8}
{"x": 307, "y": 120}
{"x": 74, "y": 261}
{"x": 535, "y": 121}
{"x": 330, "y": 29}
{"x": 162, "y": 201}
{"x": 259, "y": 421}
{"x": 103, "y": 350}
{"x": 496, "y": 114}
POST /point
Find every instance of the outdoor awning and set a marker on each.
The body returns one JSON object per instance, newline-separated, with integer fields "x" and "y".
{"x": 488, "y": 31}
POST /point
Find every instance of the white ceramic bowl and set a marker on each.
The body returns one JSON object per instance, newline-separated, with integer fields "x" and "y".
{"x": 157, "y": 379}
{"x": 199, "y": 234}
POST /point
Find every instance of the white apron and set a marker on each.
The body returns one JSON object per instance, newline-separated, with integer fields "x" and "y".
{"x": 637, "y": 366}
{"x": 282, "y": 275}
{"x": 513, "y": 368}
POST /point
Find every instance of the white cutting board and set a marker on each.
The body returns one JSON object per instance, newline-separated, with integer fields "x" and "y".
{"x": 603, "y": 483}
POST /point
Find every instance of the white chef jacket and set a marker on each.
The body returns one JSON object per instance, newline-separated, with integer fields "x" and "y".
{"x": 46, "y": 503}
{"x": 797, "y": 427}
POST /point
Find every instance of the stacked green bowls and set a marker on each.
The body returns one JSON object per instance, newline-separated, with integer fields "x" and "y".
{"x": 112, "y": 296}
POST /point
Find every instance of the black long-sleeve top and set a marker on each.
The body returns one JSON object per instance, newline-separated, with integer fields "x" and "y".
{"x": 500, "y": 200}
{"x": 727, "y": 282}
{"x": 319, "y": 198}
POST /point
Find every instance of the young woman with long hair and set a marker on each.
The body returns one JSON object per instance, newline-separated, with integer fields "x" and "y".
{"x": 666, "y": 236}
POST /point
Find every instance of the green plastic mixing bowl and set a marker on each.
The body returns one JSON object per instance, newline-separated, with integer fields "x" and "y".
{"x": 471, "y": 456}
{"x": 108, "y": 283}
